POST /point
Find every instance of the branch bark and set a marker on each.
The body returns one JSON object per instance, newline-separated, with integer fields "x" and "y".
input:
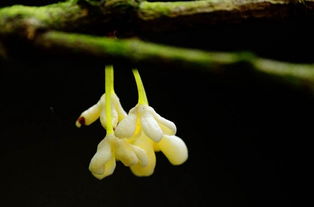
{"x": 80, "y": 15}
{"x": 199, "y": 14}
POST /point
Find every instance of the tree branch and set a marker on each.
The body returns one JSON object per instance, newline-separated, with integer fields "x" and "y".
{"x": 36, "y": 24}
{"x": 78, "y": 15}
{"x": 143, "y": 53}
{"x": 177, "y": 15}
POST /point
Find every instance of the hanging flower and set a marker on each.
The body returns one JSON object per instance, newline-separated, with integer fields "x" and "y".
{"x": 151, "y": 132}
{"x": 133, "y": 138}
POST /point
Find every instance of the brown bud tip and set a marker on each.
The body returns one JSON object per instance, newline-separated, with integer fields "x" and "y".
{"x": 80, "y": 121}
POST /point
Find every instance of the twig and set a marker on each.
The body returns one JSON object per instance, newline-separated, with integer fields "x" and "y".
{"x": 143, "y": 53}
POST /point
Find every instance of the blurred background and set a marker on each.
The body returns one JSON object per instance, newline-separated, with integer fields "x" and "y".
{"x": 248, "y": 136}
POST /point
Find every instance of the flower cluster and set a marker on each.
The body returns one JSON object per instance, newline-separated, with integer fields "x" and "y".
{"x": 131, "y": 138}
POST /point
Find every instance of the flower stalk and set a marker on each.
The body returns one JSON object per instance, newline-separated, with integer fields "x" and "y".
{"x": 142, "y": 98}
{"x": 109, "y": 91}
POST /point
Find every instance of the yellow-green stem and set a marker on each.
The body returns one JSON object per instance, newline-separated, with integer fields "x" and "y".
{"x": 109, "y": 91}
{"x": 142, "y": 99}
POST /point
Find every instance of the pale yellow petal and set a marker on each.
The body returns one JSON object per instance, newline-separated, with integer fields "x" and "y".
{"x": 141, "y": 155}
{"x": 174, "y": 149}
{"x": 168, "y": 127}
{"x": 150, "y": 126}
{"x": 124, "y": 152}
{"x": 147, "y": 145}
{"x": 167, "y": 130}
{"x": 117, "y": 105}
{"x": 126, "y": 127}
{"x": 101, "y": 157}
{"x": 89, "y": 116}
{"x": 109, "y": 169}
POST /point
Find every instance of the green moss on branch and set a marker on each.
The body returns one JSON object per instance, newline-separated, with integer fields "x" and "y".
{"x": 63, "y": 16}
{"x": 143, "y": 53}
{"x": 148, "y": 16}
{"x": 151, "y": 16}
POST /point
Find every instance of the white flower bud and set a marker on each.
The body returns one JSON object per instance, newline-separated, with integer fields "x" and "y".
{"x": 89, "y": 116}
{"x": 99, "y": 111}
{"x": 174, "y": 149}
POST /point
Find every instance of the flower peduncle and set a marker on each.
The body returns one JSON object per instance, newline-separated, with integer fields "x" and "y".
{"x": 109, "y": 91}
{"x": 142, "y": 99}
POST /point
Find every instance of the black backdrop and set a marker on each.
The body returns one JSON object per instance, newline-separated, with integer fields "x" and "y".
{"x": 248, "y": 136}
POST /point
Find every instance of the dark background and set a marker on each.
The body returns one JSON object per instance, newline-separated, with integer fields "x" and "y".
{"x": 248, "y": 136}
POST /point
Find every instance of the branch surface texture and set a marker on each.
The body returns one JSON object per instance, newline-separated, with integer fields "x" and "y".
{"x": 56, "y": 26}
{"x": 75, "y": 14}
